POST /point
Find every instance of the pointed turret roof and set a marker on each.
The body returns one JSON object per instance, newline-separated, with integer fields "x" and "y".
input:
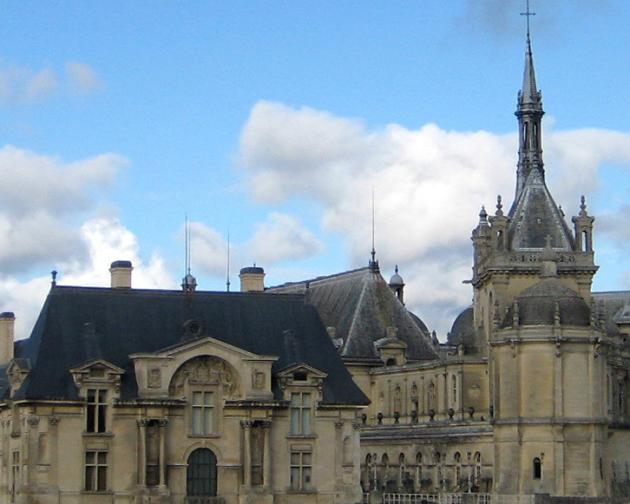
{"x": 529, "y": 94}
{"x": 535, "y": 216}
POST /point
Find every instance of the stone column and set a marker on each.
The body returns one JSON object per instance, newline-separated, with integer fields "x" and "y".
{"x": 142, "y": 452}
{"x": 162, "y": 474}
{"x": 267, "y": 454}
{"x": 247, "y": 452}
{"x": 338, "y": 451}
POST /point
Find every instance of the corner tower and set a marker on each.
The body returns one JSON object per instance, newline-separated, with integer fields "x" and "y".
{"x": 532, "y": 280}
{"x": 508, "y": 247}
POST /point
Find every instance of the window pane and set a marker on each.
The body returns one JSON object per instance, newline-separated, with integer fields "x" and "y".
{"x": 209, "y": 399}
{"x": 306, "y": 421}
{"x": 306, "y": 475}
{"x": 208, "y": 421}
{"x": 101, "y": 418}
{"x": 196, "y": 421}
{"x": 306, "y": 459}
{"x": 91, "y": 418}
{"x": 196, "y": 398}
{"x": 89, "y": 478}
{"x": 102, "y": 396}
{"x": 295, "y": 421}
{"x": 295, "y": 478}
{"x": 295, "y": 399}
{"x": 102, "y": 458}
{"x": 91, "y": 394}
{"x": 306, "y": 400}
{"x": 89, "y": 457}
{"x": 102, "y": 479}
{"x": 295, "y": 458}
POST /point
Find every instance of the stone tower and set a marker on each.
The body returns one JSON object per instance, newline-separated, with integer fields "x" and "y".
{"x": 532, "y": 303}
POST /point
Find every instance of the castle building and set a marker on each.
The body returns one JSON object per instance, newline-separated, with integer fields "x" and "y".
{"x": 529, "y": 393}
{"x": 330, "y": 390}
{"x": 154, "y": 396}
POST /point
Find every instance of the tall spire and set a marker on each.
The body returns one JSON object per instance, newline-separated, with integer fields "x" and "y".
{"x": 529, "y": 112}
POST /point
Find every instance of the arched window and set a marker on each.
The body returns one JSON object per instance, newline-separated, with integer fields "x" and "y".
{"x": 369, "y": 474}
{"x": 458, "y": 468}
{"x": 384, "y": 470}
{"x": 477, "y": 469}
{"x": 201, "y": 474}
{"x": 418, "y": 471}
{"x": 401, "y": 471}
{"x": 454, "y": 390}
{"x": 431, "y": 396}
{"x": 537, "y": 468}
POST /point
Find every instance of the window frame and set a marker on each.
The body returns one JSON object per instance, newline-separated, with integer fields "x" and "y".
{"x": 302, "y": 412}
{"x": 100, "y": 410}
{"x": 303, "y": 469}
{"x": 207, "y": 411}
{"x": 92, "y": 481}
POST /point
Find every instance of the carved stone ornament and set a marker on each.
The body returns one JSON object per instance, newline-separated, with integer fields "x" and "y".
{"x": 32, "y": 420}
{"x": 258, "y": 379}
{"x": 154, "y": 377}
{"x": 204, "y": 370}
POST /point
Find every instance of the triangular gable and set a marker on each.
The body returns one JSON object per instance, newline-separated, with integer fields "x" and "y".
{"x": 301, "y": 368}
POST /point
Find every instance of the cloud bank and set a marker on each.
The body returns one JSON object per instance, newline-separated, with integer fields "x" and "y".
{"x": 428, "y": 183}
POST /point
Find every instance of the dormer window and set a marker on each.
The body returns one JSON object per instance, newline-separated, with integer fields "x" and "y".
{"x": 301, "y": 413}
{"x": 96, "y": 411}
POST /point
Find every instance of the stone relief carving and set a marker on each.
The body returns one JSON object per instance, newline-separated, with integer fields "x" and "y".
{"x": 258, "y": 379}
{"x": 204, "y": 370}
{"x": 154, "y": 377}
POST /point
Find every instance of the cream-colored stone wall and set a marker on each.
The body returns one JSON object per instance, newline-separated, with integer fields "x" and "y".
{"x": 51, "y": 438}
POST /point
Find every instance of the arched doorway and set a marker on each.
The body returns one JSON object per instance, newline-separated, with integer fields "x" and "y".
{"x": 201, "y": 475}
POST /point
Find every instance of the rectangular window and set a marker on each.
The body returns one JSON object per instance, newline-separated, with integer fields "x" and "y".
{"x": 300, "y": 413}
{"x": 301, "y": 470}
{"x": 95, "y": 471}
{"x": 15, "y": 474}
{"x": 96, "y": 410}
{"x": 202, "y": 413}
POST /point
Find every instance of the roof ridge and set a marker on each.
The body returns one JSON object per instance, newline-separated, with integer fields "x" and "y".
{"x": 319, "y": 278}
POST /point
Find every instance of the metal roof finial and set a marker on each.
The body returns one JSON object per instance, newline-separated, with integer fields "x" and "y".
{"x": 499, "y": 206}
{"x": 528, "y": 13}
{"x": 227, "y": 281}
{"x": 373, "y": 262}
{"x": 189, "y": 282}
{"x": 53, "y": 274}
{"x": 583, "y": 212}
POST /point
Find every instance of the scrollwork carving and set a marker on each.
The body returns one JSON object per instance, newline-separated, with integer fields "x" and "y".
{"x": 204, "y": 370}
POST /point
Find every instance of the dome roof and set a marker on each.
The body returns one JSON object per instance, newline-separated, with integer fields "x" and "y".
{"x": 542, "y": 302}
{"x": 463, "y": 333}
{"x": 396, "y": 280}
{"x": 252, "y": 269}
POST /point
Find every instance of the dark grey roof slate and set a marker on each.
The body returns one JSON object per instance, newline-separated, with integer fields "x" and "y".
{"x": 535, "y": 215}
{"x": 463, "y": 332}
{"x": 79, "y": 324}
{"x": 537, "y": 305}
{"x": 610, "y": 307}
{"x": 361, "y": 306}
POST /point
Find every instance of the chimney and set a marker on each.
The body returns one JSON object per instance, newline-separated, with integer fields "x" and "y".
{"x": 121, "y": 274}
{"x": 252, "y": 279}
{"x": 7, "y": 328}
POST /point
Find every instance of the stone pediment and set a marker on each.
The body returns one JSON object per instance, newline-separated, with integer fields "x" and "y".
{"x": 301, "y": 375}
{"x": 206, "y": 360}
{"x": 17, "y": 371}
{"x": 96, "y": 372}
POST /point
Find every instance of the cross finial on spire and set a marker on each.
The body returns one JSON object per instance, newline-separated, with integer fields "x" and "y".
{"x": 528, "y": 13}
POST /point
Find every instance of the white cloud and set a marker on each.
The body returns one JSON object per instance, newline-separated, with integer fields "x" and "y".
{"x": 82, "y": 77}
{"x": 40, "y": 196}
{"x": 279, "y": 238}
{"x": 21, "y": 84}
{"x": 105, "y": 240}
{"x": 428, "y": 183}
{"x": 40, "y": 85}
{"x": 282, "y": 237}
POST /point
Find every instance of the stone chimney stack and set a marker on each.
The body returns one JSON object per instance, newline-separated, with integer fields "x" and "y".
{"x": 252, "y": 279}
{"x": 121, "y": 274}
{"x": 7, "y": 331}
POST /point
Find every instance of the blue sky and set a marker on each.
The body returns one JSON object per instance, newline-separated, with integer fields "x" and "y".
{"x": 276, "y": 119}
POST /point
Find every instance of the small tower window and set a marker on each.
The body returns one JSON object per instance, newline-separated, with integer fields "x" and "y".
{"x": 537, "y": 468}
{"x": 585, "y": 242}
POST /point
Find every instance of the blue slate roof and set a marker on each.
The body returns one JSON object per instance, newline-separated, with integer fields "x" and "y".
{"x": 79, "y": 324}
